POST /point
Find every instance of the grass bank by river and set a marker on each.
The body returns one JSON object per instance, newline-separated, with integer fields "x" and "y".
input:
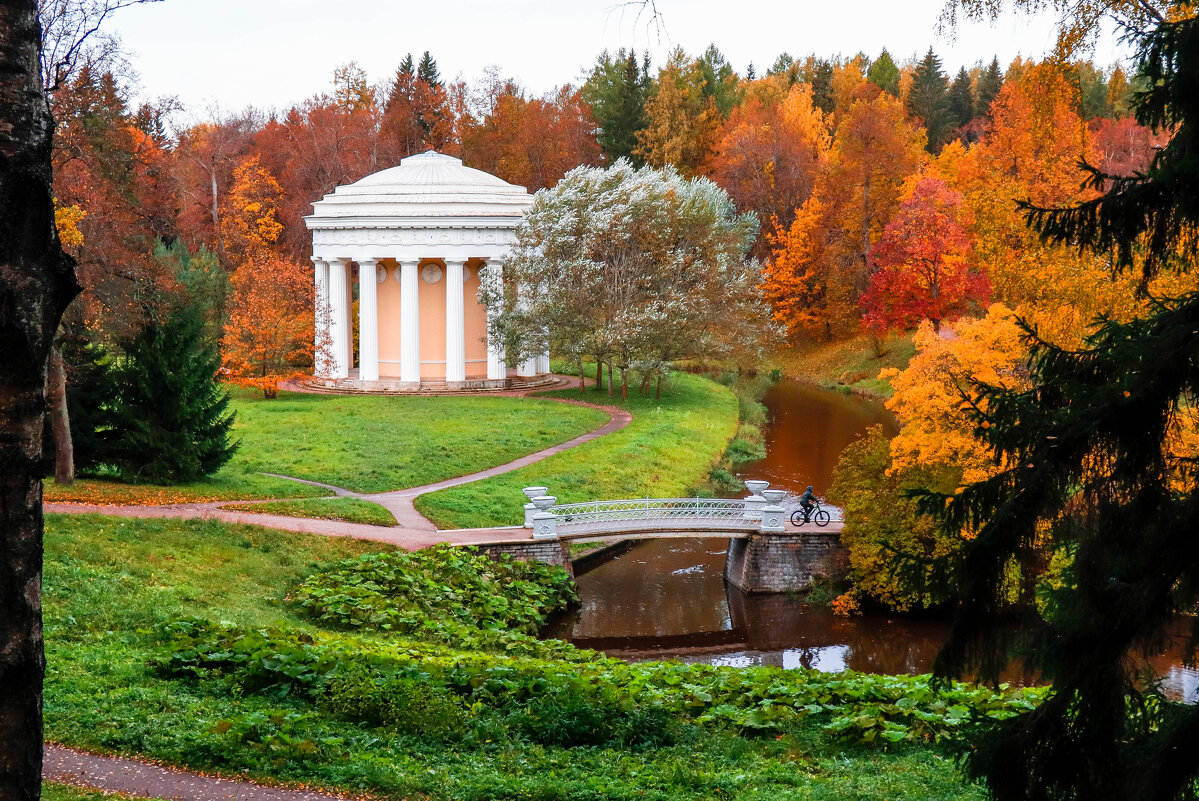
{"x": 850, "y": 365}
{"x": 184, "y": 641}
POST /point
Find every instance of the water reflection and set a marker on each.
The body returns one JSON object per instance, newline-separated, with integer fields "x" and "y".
{"x": 667, "y": 598}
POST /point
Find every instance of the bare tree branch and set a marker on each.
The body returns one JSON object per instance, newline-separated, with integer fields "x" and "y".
{"x": 71, "y": 35}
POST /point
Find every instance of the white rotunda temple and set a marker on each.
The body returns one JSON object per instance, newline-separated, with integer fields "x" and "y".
{"x": 424, "y": 235}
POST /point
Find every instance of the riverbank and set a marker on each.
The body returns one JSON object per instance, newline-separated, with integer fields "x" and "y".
{"x": 138, "y": 665}
{"x": 849, "y": 366}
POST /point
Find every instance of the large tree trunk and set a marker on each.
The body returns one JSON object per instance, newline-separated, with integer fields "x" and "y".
{"x": 37, "y": 281}
{"x": 60, "y": 420}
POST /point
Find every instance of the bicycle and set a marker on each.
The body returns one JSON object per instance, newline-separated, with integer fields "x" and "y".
{"x": 817, "y": 516}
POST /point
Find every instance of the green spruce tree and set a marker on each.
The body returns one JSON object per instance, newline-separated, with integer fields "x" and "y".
{"x": 990, "y": 81}
{"x": 928, "y": 101}
{"x": 884, "y": 74}
{"x": 170, "y": 421}
{"x": 718, "y": 81}
{"x": 427, "y": 70}
{"x": 1089, "y": 468}
{"x": 819, "y": 73}
{"x": 616, "y": 90}
{"x": 961, "y": 99}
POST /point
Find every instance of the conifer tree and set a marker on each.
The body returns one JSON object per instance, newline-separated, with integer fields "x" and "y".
{"x": 171, "y": 420}
{"x": 928, "y": 100}
{"x": 616, "y": 91}
{"x": 961, "y": 99}
{"x": 427, "y": 70}
{"x": 718, "y": 81}
{"x": 884, "y": 74}
{"x": 990, "y": 81}
{"x": 819, "y": 73}
{"x": 1090, "y": 463}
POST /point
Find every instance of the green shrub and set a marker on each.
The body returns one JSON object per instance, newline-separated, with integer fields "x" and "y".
{"x": 441, "y": 586}
{"x": 407, "y": 704}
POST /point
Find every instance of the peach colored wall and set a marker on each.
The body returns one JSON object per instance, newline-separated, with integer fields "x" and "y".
{"x": 389, "y": 321}
{"x": 476, "y": 324}
{"x": 432, "y": 324}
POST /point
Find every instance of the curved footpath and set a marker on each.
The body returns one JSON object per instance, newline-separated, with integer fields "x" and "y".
{"x": 413, "y": 530}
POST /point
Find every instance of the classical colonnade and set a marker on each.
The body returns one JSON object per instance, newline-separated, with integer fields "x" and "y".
{"x": 334, "y": 299}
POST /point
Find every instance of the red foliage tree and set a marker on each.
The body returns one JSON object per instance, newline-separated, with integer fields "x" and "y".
{"x": 923, "y": 270}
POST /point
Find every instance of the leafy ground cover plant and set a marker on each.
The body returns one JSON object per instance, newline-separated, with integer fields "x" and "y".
{"x": 409, "y": 592}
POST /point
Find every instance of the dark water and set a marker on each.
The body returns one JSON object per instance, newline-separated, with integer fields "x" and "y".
{"x": 667, "y": 598}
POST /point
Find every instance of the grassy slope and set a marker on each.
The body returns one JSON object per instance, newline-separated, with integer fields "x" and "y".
{"x": 669, "y": 448}
{"x": 108, "y": 581}
{"x": 367, "y": 444}
{"x": 849, "y": 365}
{"x": 351, "y": 510}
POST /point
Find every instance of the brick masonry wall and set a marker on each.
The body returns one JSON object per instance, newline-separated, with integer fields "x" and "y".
{"x": 779, "y": 562}
{"x": 552, "y": 552}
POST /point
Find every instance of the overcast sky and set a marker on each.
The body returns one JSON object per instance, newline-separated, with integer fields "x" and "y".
{"x": 272, "y": 53}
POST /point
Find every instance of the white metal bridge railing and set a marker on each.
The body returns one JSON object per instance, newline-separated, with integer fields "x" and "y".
{"x": 761, "y": 511}
{"x": 656, "y": 513}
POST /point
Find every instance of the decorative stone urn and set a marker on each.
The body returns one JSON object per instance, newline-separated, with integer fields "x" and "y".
{"x": 755, "y": 502}
{"x": 773, "y": 496}
{"x": 530, "y": 508}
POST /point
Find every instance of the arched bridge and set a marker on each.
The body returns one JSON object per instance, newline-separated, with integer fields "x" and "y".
{"x": 766, "y": 552}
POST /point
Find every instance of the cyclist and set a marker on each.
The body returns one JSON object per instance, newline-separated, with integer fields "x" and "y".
{"x": 808, "y": 502}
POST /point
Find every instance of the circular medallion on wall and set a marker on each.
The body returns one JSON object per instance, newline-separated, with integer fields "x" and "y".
{"x": 431, "y": 273}
{"x": 380, "y": 273}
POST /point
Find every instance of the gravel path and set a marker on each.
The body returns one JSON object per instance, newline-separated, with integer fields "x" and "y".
{"x": 113, "y": 774}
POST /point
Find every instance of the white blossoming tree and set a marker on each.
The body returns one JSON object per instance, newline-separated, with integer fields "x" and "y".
{"x": 637, "y": 268}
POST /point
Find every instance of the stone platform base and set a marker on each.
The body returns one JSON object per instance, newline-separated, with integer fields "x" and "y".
{"x": 552, "y": 552}
{"x": 393, "y": 386}
{"x": 780, "y": 562}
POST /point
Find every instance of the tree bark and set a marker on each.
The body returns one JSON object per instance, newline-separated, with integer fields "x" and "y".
{"x": 582, "y": 376}
{"x": 60, "y": 420}
{"x": 599, "y": 374}
{"x": 37, "y": 281}
{"x": 611, "y": 378}
{"x": 624, "y": 383}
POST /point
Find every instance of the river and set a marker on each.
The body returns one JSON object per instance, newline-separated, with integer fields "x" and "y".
{"x": 667, "y": 598}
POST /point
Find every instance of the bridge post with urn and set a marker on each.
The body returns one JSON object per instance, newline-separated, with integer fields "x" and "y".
{"x": 766, "y": 552}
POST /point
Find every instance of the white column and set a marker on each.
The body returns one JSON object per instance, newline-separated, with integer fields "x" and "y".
{"x": 339, "y": 326}
{"x": 493, "y": 277}
{"x": 527, "y": 368}
{"x": 543, "y": 363}
{"x": 409, "y": 321}
{"x": 320, "y": 345}
{"x": 368, "y": 321}
{"x": 455, "y": 323}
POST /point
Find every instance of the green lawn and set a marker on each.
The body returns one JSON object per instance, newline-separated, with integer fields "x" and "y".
{"x": 363, "y": 443}
{"x": 109, "y": 582}
{"x": 351, "y": 510}
{"x": 667, "y": 451}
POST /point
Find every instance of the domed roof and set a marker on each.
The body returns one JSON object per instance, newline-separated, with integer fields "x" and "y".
{"x": 428, "y": 185}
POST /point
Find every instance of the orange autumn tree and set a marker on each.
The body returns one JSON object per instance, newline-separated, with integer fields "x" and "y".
{"x": 923, "y": 271}
{"x": 819, "y": 269}
{"x": 890, "y": 546}
{"x": 932, "y": 395}
{"x": 269, "y": 335}
{"x": 250, "y": 221}
{"x": 769, "y": 153}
